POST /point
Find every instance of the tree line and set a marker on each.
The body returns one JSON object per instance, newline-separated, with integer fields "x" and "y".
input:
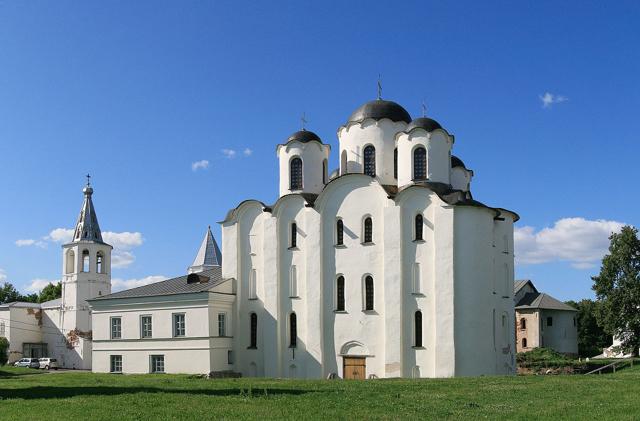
{"x": 9, "y": 293}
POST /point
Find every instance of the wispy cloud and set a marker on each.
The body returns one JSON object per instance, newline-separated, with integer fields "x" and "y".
{"x": 31, "y": 242}
{"x": 229, "y": 153}
{"x": 548, "y": 99}
{"x": 579, "y": 241}
{"x": 247, "y": 152}
{"x": 60, "y": 235}
{"x": 118, "y": 284}
{"x": 3, "y": 275}
{"x": 200, "y": 165}
{"x": 36, "y": 285}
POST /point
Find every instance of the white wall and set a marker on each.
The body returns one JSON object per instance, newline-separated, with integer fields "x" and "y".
{"x": 312, "y": 154}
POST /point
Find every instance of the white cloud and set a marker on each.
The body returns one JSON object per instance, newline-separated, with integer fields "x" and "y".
{"x": 118, "y": 284}
{"x": 247, "y": 152}
{"x": 229, "y": 153}
{"x": 579, "y": 241}
{"x": 31, "y": 242}
{"x": 123, "y": 240}
{"x": 3, "y": 275}
{"x": 548, "y": 99}
{"x": 121, "y": 258}
{"x": 203, "y": 164}
{"x": 60, "y": 235}
{"x": 36, "y": 285}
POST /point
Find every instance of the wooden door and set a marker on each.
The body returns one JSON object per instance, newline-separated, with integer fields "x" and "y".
{"x": 354, "y": 368}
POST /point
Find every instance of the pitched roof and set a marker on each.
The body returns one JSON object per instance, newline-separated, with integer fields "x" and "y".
{"x": 520, "y": 283}
{"x": 540, "y": 300}
{"x": 208, "y": 255}
{"x": 22, "y": 304}
{"x": 87, "y": 228}
{"x": 186, "y": 284}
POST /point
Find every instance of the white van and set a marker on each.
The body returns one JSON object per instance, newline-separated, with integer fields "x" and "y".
{"x": 48, "y": 363}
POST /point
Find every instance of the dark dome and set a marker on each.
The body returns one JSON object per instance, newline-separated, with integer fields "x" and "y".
{"x": 304, "y": 136}
{"x": 457, "y": 162}
{"x": 379, "y": 109}
{"x": 426, "y": 123}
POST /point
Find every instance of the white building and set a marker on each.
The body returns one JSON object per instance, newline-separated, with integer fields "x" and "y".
{"x": 387, "y": 267}
{"x": 61, "y": 328}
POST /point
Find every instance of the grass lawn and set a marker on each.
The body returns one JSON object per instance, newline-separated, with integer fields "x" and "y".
{"x": 28, "y": 394}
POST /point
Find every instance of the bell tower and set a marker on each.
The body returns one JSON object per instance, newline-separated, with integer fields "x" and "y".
{"x": 86, "y": 273}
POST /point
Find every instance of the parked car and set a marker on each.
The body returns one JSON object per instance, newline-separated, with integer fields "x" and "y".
{"x": 27, "y": 362}
{"x": 48, "y": 363}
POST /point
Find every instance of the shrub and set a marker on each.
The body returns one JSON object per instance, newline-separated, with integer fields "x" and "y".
{"x": 4, "y": 351}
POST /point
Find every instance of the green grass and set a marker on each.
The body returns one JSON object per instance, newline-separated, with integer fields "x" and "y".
{"x": 34, "y": 395}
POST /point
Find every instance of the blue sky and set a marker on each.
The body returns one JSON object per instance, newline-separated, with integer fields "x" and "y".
{"x": 542, "y": 98}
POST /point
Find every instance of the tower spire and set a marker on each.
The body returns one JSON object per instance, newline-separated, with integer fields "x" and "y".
{"x": 208, "y": 255}
{"x": 87, "y": 228}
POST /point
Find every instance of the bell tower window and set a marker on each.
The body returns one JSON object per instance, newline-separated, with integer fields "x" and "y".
{"x": 85, "y": 260}
{"x": 420, "y": 163}
{"x": 71, "y": 262}
{"x": 370, "y": 161}
{"x": 100, "y": 262}
{"x": 295, "y": 174}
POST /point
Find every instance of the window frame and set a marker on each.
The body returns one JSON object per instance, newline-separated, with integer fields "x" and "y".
{"x": 369, "y": 297}
{"x": 339, "y": 232}
{"x": 253, "y": 331}
{"x": 418, "y": 234}
{"x": 113, "y": 359}
{"x": 414, "y": 161}
{"x": 176, "y": 328}
{"x": 293, "y": 236}
{"x": 298, "y": 183}
{"x": 85, "y": 261}
{"x": 369, "y": 161}
{"x": 293, "y": 330}
{"x": 222, "y": 324}
{"x": 549, "y": 321}
{"x": 111, "y": 326}
{"x": 367, "y": 232}
{"x": 142, "y": 326}
{"x": 340, "y": 295}
{"x": 418, "y": 334}
{"x": 154, "y": 359}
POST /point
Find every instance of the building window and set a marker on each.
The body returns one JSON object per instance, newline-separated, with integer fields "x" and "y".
{"x": 295, "y": 174}
{"x": 325, "y": 171}
{"x": 523, "y": 323}
{"x": 340, "y": 293}
{"x": 229, "y": 357}
{"x": 146, "y": 327}
{"x": 417, "y": 279}
{"x": 368, "y": 230}
{"x": 549, "y": 321}
{"x": 71, "y": 261}
{"x": 100, "y": 262}
{"x": 419, "y": 224}
{"x": 157, "y": 363}
{"x": 116, "y": 328}
{"x": 505, "y": 330}
{"x": 524, "y": 342}
{"x": 574, "y": 321}
{"x": 222, "y": 324}
{"x": 395, "y": 163}
{"x": 293, "y": 282}
{"x": 417, "y": 324}
{"x": 368, "y": 293}
{"x": 253, "y": 339}
{"x": 420, "y": 163}
{"x": 294, "y": 236}
{"x": 293, "y": 330}
{"x": 252, "y": 285}
{"x": 179, "y": 325}
{"x": 115, "y": 365}
{"x": 339, "y": 232}
{"x": 85, "y": 260}
{"x": 370, "y": 161}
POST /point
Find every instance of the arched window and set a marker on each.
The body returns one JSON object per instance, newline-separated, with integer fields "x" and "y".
{"x": 524, "y": 342}
{"x": 340, "y": 293}
{"x": 71, "y": 261}
{"x": 368, "y": 293}
{"x": 417, "y": 324}
{"x": 100, "y": 262}
{"x": 419, "y": 223}
{"x": 295, "y": 174}
{"x": 368, "y": 230}
{"x": 370, "y": 161}
{"x": 339, "y": 232}
{"x": 85, "y": 260}
{"x": 253, "y": 339}
{"x": 523, "y": 323}
{"x": 419, "y": 163}
{"x": 324, "y": 171}
{"x": 293, "y": 330}
{"x": 294, "y": 235}
{"x": 343, "y": 163}
{"x": 395, "y": 163}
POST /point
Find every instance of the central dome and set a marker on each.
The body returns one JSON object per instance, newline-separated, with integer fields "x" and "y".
{"x": 379, "y": 109}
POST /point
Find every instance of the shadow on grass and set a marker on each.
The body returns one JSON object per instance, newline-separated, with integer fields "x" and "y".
{"x": 56, "y": 392}
{"x": 7, "y": 374}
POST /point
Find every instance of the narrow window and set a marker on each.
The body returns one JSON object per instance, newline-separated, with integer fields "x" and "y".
{"x": 252, "y": 285}
{"x": 100, "y": 262}
{"x": 524, "y": 342}
{"x": 71, "y": 261}
{"x": 116, "y": 328}
{"x": 339, "y": 232}
{"x": 549, "y": 321}
{"x": 368, "y": 230}
{"x": 325, "y": 171}
{"x": 340, "y": 293}
{"x": 574, "y": 321}
{"x": 222, "y": 324}
{"x": 85, "y": 260}
{"x": 505, "y": 330}
{"x": 420, "y": 163}
{"x": 116, "y": 364}
{"x": 229, "y": 357}
{"x": 419, "y": 224}
{"x": 293, "y": 330}
{"x": 523, "y": 323}
{"x": 157, "y": 363}
{"x": 294, "y": 235}
{"x": 370, "y": 161}
{"x": 253, "y": 340}
{"x": 417, "y": 323}
{"x": 295, "y": 174}
{"x": 179, "y": 325}
{"x": 293, "y": 282}
{"x": 417, "y": 281}
{"x": 368, "y": 297}
{"x": 146, "y": 327}
{"x": 395, "y": 163}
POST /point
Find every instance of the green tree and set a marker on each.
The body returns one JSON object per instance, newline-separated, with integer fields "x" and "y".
{"x": 4, "y": 351}
{"x": 9, "y": 293}
{"x": 50, "y": 292}
{"x": 591, "y": 336}
{"x": 618, "y": 289}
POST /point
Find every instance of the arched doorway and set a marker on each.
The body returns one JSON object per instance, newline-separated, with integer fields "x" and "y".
{"x": 354, "y": 360}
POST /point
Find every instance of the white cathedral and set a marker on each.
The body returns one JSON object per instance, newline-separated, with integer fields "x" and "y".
{"x": 386, "y": 267}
